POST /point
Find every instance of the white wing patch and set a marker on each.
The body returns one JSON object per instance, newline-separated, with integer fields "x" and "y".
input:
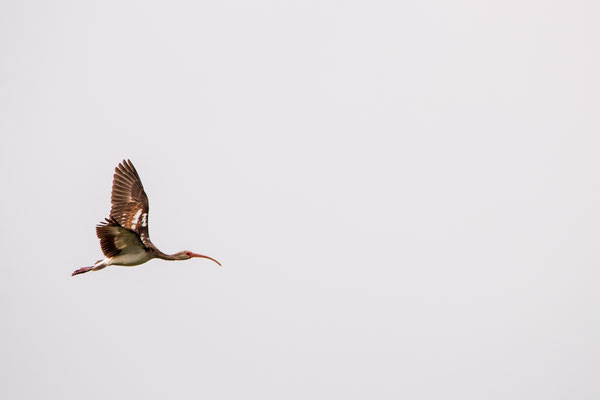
{"x": 144, "y": 219}
{"x": 135, "y": 219}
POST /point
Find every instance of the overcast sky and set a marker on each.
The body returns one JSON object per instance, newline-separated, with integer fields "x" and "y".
{"x": 404, "y": 197}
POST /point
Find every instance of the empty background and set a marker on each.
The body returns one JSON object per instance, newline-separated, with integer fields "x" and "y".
{"x": 404, "y": 197}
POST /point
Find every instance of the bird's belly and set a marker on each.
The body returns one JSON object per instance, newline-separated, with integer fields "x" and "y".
{"x": 131, "y": 258}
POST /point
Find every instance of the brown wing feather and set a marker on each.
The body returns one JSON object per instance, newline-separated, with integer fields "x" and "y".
{"x": 129, "y": 201}
{"x": 114, "y": 238}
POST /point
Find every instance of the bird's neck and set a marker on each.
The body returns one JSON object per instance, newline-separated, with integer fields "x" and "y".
{"x": 169, "y": 257}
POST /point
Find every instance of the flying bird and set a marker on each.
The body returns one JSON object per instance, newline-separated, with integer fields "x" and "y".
{"x": 124, "y": 235}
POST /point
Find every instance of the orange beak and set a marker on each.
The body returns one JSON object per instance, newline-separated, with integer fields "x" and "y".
{"x": 192, "y": 255}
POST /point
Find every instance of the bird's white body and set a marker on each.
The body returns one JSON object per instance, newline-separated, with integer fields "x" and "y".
{"x": 128, "y": 258}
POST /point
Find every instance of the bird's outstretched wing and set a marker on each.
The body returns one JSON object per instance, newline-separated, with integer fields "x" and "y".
{"x": 114, "y": 238}
{"x": 129, "y": 201}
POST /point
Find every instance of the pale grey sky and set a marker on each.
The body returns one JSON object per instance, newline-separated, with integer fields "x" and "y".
{"x": 404, "y": 197}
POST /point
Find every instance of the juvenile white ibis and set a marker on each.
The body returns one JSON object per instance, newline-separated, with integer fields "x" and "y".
{"x": 124, "y": 235}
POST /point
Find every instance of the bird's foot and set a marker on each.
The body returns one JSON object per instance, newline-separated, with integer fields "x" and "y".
{"x": 82, "y": 270}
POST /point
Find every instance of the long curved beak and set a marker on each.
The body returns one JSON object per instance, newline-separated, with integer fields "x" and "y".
{"x": 201, "y": 256}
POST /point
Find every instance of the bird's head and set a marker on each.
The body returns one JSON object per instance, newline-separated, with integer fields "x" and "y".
{"x": 186, "y": 255}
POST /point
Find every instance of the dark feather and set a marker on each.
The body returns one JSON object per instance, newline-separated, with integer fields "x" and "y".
{"x": 129, "y": 201}
{"x": 113, "y": 237}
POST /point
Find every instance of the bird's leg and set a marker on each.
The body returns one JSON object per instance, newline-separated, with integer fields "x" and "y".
{"x": 100, "y": 264}
{"x": 82, "y": 270}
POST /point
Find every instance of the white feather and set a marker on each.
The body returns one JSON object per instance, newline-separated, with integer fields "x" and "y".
{"x": 135, "y": 219}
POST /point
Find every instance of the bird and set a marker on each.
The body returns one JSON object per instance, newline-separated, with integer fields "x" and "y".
{"x": 124, "y": 237}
